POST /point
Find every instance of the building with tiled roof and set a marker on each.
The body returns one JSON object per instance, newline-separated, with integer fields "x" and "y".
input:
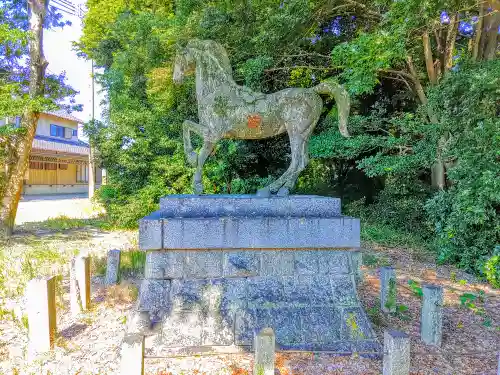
{"x": 59, "y": 160}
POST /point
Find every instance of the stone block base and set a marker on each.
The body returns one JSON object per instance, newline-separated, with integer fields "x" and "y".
{"x": 219, "y": 269}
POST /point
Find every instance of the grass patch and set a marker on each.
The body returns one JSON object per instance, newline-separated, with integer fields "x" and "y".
{"x": 98, "y": 265}
{"x": 120, "y": 294}
{"x": 61, "y": 223}
{"x": 373, "y": 260}
{"x": 132, "y": 262}
{"x": 386, "y": 235}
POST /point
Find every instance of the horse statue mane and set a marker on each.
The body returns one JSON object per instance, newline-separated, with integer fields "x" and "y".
{"x": 227, "y": 110}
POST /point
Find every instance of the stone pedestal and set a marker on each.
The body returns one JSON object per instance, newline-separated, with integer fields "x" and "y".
{"x": 219, "y": 269}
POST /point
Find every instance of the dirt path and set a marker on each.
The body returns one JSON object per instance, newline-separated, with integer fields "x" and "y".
{"x": 38, "y": 208}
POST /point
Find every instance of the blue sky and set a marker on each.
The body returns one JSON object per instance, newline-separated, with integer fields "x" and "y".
{"x": 61, "y": 57}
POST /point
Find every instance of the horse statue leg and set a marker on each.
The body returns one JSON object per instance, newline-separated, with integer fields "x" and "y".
{"x": 286, "y": 182}
{"x": 298, "y": 134}
{"x": 189, "y": 126}
{"x": 205, "y": 152}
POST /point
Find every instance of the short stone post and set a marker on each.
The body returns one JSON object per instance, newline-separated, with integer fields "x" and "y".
{"x": 79, "y": 286}
{"x": 132, "y": 353}
{"x": 41, "y": 304}
{"x": 113, "y": 267}
{"x": 498, "y": 370}
{"x": 264, "y": 352}
{"x": 396, "y": 353}
{"x": 357, "y": 261}
{"x": 431, "y": 324}
{"x": 387, "y": 289}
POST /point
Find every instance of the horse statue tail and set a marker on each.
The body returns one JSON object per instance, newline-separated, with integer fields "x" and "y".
{"x": 341, "y": 96}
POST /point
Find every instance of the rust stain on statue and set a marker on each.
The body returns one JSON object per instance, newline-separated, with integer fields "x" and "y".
{"x": 254, "y": 121}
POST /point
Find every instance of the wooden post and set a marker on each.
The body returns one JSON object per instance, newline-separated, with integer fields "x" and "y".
{"x": 396, "y": 353}
{"x": 264, "y": 352}
{"x": 132, "y": 361}
{"x": 41, "y": 297}
{"x": 79, "y": 284}
{"x": 387, "y": 289}
{"x": 431, "y": 324}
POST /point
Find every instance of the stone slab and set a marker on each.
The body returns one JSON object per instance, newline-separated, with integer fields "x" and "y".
{"x": 154, "y": 295}
{"x": 248, "y": 205}
{"x": 179, "y": 264}
{"x": 241, "y": 263}
{"x": 251, "y": 233}
{"x": 306, "y": 312}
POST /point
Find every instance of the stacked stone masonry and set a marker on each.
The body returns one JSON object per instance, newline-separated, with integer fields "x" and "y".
{"x": 208, "y": 294}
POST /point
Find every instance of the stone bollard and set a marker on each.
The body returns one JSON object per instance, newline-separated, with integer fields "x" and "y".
{"x": 498, "y": 370}
{"x": 79, "y": 286}
{"x": 264, "y": 352}
{"x": 396, "y": 353}
{"x": 113, "y": 267}
{"x": 41, "y": 306}
{"x": 132, "y": 353}
{"x": 357, "y": 261}
{"x": 387, "y": 289}
{"x": 431, "y": 324}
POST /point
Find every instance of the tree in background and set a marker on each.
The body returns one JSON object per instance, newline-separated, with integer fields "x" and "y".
{"x": 394, "y": 57}
{"x": 24, "y": 90}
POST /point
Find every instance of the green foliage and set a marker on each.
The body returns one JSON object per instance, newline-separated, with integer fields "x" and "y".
{"x": 492, "y": 270}
{"x": 132, "y": 262}
{"x": 381, "y": 172}
{"x": 390, "y": 302}
{"x": 375, "y": 260}
{"x": 415, "y": 288}
{"x": 465, "y": 217}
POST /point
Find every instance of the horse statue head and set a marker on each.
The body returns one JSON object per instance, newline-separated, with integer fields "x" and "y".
{"x": 205, "y": 52}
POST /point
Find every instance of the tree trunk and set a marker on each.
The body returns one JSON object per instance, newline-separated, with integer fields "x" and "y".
{"x": 429, "y": 61}
{"x": 438, "y": 176}
{"x": 38, "y": 65}
{"x": 477, "y": 38}
{"x": 492, "y": 36}
{"x": 451, "y": 36}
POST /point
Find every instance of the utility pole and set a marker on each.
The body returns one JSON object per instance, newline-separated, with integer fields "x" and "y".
{"x": 91, "y": 149}
{"x": 79, "y": 11}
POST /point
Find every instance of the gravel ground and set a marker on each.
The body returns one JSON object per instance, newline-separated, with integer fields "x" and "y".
{"x": 90, "y": 344}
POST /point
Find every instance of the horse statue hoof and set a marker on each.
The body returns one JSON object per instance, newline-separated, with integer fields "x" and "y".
{"x": 198, "y": 188}
{"x": 192, "y": 158}
{"x": 264, "y": 192}
{"x": 283, "y": 192}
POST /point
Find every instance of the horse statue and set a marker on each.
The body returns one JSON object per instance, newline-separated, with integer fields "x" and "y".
{"x": 227, "y": 110}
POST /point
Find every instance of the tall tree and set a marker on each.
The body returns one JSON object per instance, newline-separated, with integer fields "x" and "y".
{"x": 26, "y": 91}
{"x": 38, "y": 65}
